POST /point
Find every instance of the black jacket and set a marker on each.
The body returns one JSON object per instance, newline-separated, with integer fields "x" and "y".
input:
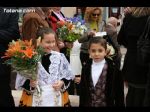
{"x": 128, "y": 36}
{"x": 9, "y": 29}
{"x": 114, "y": 89}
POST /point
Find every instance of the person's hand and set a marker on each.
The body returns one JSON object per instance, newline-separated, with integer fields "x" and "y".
{"x": 91, "y": 33}
{"x": 61, "y": 44}
{"x": 77, "y": 80}
{"x": 69, "y": 44}
{"x": 57, "y": 85}
{"x": 127, "y": 10}
{"x": 33, "y": 83}
{"x": 126, "y": 84}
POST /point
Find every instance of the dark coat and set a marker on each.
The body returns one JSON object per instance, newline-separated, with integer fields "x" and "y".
{"x": 130, "y": 32}
{"x": 9, "y": 31}
{"x": 114, "y": 89}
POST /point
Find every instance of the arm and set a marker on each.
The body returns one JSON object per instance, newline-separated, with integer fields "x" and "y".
{"x": 83, "y": 38}
{"x": 121, "y": 38}
{"x": 86, "y": 36}
{"x": 119, "y": 89}
{"x": 66, "y": 72}
{"x": 20, "y": 81}
{"x": 83, "y": 89}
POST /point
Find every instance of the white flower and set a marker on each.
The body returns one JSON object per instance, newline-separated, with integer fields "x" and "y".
{"x": 78, "y": 24}
{"x": 112, "y": 50}
{"x": 81, "y": 32}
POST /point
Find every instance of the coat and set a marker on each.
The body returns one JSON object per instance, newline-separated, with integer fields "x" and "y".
{"x": 53, "y": 19}
{"x": 9, "y": 31}
{"x": 128, "y": 36}
{"x": 114, "y": 89}
{"x": 31, "y": 22}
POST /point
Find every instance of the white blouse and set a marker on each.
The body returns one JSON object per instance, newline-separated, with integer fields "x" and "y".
{"x": 97, "y": 68}
{"x": 58, "y": 69}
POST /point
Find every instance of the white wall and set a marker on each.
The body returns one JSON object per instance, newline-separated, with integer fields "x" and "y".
{"x": 69, "y": 11}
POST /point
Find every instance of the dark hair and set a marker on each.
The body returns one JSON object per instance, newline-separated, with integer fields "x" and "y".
{"x": 44, "y": 30}
{"x": 98, "y": 40}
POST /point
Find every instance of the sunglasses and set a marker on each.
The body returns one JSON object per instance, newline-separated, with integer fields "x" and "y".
{"x": 95, "y": 14}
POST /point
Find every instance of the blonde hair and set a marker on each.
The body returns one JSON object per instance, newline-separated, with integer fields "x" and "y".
{"x": 140, "y": 11}
{"x": 89, "y": 11}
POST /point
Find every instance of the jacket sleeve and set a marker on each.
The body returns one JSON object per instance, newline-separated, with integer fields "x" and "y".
{"x": 11, "y": 30}
{"x": 119, "y": 89}
{"x": 121, "y": 38}
{"x": 83, "y": 86}
{"x": 83, "y": 38}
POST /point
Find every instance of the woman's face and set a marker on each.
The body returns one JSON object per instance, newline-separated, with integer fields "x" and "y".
{"x": 95, "y": 15}
{"x": 48, "y": 42}
{"x": 79, "y": 11}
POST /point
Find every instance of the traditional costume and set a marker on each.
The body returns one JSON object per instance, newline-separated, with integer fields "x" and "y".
{"x": 53, "y": 67}
{"x": 101, "y": 85}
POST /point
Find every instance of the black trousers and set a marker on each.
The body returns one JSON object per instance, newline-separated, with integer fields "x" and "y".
{"x": 147, "y": 93}
{"x": 6, "y": 98}
{"x": 135, "y": 97}
{"x": 74, "y": 87}
{"x": 84, "y": 57}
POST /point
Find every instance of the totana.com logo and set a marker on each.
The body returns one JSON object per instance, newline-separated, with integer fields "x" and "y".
{"x": 23, "y": 10}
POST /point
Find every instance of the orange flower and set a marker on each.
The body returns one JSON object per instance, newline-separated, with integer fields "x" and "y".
{"x": 27, "y": 42}
{"x": 61, "y": 23}
{"x": 29, "y": 52}
{"x": 69, "y": 26}
{"x": 14, "y": 47}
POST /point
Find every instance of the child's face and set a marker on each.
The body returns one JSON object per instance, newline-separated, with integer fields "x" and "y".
{"x": 48, "y": 42}
{"x": 97, "y": 52}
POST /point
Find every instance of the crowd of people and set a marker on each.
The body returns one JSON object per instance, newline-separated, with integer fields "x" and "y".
{"x": 92, "y": 70}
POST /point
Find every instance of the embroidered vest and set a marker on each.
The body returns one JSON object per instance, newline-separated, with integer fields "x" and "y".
{"x": 98, "y": 92}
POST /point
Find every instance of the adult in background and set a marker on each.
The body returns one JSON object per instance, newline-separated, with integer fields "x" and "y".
{"x": 135, "y": 75}
{"x": 56, "y": 16}
{"x": 111, "y": 29}
{"x": 93, "y": 21}
{"x": 9, "y": 31}
{"x": 32, "y": 21}
{"x": 79, "y": 14}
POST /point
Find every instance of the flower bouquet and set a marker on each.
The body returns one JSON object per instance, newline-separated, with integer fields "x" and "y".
{"x": 70, "y": 30}
{"x": 23, "y": 56}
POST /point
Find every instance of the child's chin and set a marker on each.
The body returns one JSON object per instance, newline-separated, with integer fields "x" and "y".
{"x": 97, "y": 60}
{"x": 47, "y": 51}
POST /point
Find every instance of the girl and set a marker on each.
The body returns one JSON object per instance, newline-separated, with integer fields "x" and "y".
{"x": 54, "y": 75}
{"x": 101, "y": 83}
